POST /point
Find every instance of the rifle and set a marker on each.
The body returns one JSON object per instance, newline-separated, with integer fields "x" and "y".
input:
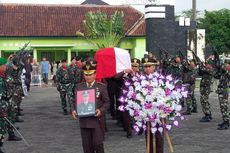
{"x": 184, "y": 60}
{"x": 218, "y": 64}
{"x": 197, "y": 59}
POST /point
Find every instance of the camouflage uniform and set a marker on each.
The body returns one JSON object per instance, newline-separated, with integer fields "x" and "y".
{"x": 18, "y": 92}
{"x": 222, "y": 91}
{"x": 76, "y": 77}
{"x": 205, "y": 89}
{"x": 64, "y": 86}
{"x": 14, "y": 100}
{"x": 189, "y": 79}
{"x": 176, "y": 70}
{"x": 4, "y": 106}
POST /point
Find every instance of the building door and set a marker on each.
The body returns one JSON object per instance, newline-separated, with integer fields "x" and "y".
{"x": 50, "y": 56}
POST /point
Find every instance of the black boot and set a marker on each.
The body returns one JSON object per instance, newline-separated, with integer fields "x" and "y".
{"x": 206, "y": 118}
{"x": 187, "y": 112}
{"x": 129, "y": 132}
{"x": 20, "y": 113}
{"x": 65, "y": 112}
{"x": 194, "y": 109}
{"x": 13, "y": 137}
{"x": 17, "y": 119}
{"x": 223, "y": 126}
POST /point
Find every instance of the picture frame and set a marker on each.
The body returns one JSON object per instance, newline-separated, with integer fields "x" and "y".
{"x": 86, "y": 103}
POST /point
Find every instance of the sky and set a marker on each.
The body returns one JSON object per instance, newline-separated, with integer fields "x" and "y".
{"x": 180, "y": 5}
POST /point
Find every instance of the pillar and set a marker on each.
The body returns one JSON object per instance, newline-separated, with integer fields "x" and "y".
{"x": 69, "y": 56}
{"x": 35, "y": 54}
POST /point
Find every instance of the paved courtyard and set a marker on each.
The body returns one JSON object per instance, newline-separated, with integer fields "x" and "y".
{"x": 48, "y": 131}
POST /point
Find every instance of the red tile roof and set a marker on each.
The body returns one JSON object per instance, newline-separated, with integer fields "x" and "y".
{"x": 60, "y": 20}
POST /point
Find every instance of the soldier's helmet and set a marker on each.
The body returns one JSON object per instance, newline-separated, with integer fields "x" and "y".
{"x": 146, "y": 61}
{"x": 89, "y": 68}
{"x": 135, "y": 62}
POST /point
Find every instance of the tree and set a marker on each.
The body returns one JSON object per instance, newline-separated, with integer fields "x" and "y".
{"x": 217, "y": 27}
{"x": 189, "y": 13}
{"x": 102, "y": 30}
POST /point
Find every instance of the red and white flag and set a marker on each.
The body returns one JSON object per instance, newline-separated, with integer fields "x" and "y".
{"x": 111, "y": 61}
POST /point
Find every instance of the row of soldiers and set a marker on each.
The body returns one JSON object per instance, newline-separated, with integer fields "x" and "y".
{"x": 12, "y": 92}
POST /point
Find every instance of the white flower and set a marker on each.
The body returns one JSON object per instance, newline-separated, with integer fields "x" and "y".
{"x": 168, "y": 127}
{"x": 160, "y": 129}
{"x": 178, "y": 108}
{"x": 144, "y": 83}
{"x": 169, "y": 85}
{"x": 175, "y": 123}
{"x": 154, "y": 130}
{"x": 169, "y": 77}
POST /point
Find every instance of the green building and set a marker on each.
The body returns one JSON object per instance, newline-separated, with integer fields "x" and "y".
{"x": 51, "y": 30}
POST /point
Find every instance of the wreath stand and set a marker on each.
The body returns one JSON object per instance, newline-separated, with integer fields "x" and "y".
{"x": 165, "y": 132}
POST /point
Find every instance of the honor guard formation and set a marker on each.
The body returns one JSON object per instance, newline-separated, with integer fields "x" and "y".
{"x": 91, "y": 100}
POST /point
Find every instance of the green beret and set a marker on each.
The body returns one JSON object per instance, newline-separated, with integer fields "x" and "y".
{"x": 211, "y": 62}
{"x": 2, "y": 61}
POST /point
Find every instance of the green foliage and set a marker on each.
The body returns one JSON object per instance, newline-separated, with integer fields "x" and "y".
{"x": 189, "y": 13}
{"x": 103, "y": 31}
{"x": 217, "y": 26}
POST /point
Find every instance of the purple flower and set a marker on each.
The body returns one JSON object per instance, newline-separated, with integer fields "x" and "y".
{"x": 122, "y": 99}
{"x": 148, "y": 105}
{"x": 121, "y": 108}
{"x": 168, "y": 110}
{"x": 152, "y": 118}
{"x": 134, "y": 96}
{"x": 127, "y": 83}
{"x": 136, "y": 112}
{"x": 168, "y": 91}
{"x": 136, "y": 128}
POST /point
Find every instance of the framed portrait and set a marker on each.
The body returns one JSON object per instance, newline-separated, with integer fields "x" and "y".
{"x": 86, "y": 102}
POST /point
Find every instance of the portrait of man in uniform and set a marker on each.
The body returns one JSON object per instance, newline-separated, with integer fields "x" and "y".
{"x": 85, "y": 103}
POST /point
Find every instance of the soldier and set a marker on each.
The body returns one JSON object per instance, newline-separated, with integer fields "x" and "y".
{"x": 14, "y": 94}
{"x": 92, "y": 129}
{"x": 189, "y": 79}
{"x": 206, "y": 71}
{"x": 222, "y": 92}
{"x": 126, "y": 117}
{"x": 150, "y": 66}
{"x": 176, "y": 68}
{"x": 4, "y": 104}
{"x": 64, "y": 86}
{"x": 75, "y": 75}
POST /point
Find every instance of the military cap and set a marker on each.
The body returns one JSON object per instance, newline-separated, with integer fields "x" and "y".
{"x": 135, "y": 62}
{"x": 149, "y": 61}
{"x": 2, "y": 61}
{"x": 91, "y": 61}
{"x": 85, "y": 93}
{"x": 89, "y": 68}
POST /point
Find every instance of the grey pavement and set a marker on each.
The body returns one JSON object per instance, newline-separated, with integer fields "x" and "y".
{"x": 48, "y": 131}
